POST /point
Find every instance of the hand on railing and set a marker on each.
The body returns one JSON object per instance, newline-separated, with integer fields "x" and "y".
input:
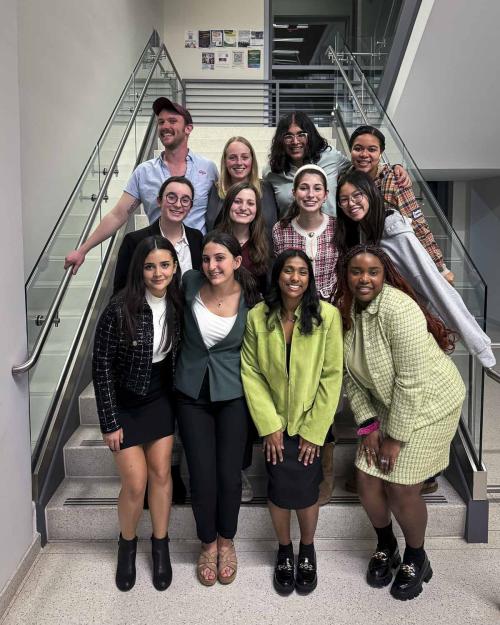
{"x": 75, "y": 259}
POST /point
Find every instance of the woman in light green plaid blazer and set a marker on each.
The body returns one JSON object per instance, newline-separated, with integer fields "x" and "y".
{"x": 406, "y": 395}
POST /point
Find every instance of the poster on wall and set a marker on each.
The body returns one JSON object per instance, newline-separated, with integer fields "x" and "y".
{"x": 204, "y": 39}
{"x": 254, "y": 59}
{"x": 222, "y": 59}
{"x": 257, "y": 38}
{"x": 243, "y": 38}
{"x": 229, "y": 38}
{"x": 207, "y": 60}
{"x": 191, "y": 39}
{"x": 238, "y": 59}
{"x": 216, "y": 40}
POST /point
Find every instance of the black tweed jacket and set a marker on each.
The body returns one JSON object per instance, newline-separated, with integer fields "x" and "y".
{"x": 118, "y": 362}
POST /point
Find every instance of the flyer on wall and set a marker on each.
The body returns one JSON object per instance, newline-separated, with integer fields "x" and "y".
{"x": 229, "y": 38}
{"x": 222, "y": 59}
{"x": 257, "y": 38}
{"x": 191, "y": 39}
{"x": 243, "y": 38}
{"x": 238, "y": 58}
{"x": 207, "y": 60}
{"x": 216, "y": 40}
{"x": 204, "y": 39}
{"x": 254, "y": 59}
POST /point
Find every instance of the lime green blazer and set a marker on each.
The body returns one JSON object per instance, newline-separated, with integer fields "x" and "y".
{"x": 302, "y": 401}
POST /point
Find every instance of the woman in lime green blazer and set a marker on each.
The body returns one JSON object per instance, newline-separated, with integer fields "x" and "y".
{"x": 291, "y": 367}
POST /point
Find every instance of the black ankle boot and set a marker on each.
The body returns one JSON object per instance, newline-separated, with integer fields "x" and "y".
{"x": 162, "y": 569}
{"x": 306, "y": 578}
{"x": 178, "y": 487}
{"x": 125, "y": 568}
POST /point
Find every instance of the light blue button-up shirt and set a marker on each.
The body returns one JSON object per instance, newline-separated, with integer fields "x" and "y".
{"x": 148, "y": 177}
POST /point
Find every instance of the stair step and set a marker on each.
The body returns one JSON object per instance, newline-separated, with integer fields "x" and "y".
{"x": 85, "y": 509}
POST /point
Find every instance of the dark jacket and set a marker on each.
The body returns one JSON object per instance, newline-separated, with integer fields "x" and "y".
{"x": 118, "y": 362}
{"x": 222, "y": 360}
{"x": 269, "y": 208}
{"x": 132, "y": 240}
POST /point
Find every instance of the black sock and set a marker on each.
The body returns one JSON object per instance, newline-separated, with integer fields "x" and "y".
{"x": 386, "y": 538}
{"x": 286, "y": 550}
{"x": 307, "y": 551}
{"x": 415, "y": 555}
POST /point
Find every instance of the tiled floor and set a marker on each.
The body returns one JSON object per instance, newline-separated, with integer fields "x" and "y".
{"x": 72, "y": 583}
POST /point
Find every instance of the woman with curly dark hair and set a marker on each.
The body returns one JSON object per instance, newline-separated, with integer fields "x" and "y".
{"x": 135, "y": 347}
{"x": 291, "y": 367}
{"x": 362, "y": 217}
{"x": 406, "y": 395}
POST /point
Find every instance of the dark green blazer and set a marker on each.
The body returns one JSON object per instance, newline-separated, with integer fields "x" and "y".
{"x": 222, "y": 360}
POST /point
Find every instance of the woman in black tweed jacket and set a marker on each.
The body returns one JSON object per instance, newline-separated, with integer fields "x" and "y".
{"x": 135, "y": 346}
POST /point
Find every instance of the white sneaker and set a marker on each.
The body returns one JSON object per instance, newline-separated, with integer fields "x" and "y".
{"x": 246, "y": 488}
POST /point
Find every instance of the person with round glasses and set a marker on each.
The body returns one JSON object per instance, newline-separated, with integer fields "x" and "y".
{"x": 297, "y": 142}
{"x": 175, "y": 200}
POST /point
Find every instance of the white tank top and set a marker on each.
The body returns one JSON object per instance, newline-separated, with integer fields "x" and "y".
{"x": 212, "y": 327}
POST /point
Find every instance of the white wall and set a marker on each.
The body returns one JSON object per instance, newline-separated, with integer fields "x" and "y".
{"x": 16, "y": 526}
{"x": 74, "y": 60}
{"x": 216, "y": 14}
{"x": 445, "y": 103}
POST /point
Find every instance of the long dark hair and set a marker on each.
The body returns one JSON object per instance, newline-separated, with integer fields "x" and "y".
{"x": 133, "y": 295}
{"x": 310, "y": 309}
{"x": 445, "y": 338}
{"x": 368, "y": 130}
{"x": 315, "y": 146}
{"x": 242, "y": 275}
{"x": 293, "y": 210}
{"x": 348, "y": 231}
{"x": 258, "y": 244}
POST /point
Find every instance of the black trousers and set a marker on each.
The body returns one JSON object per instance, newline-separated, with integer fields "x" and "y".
{"x": 214, "y": 435}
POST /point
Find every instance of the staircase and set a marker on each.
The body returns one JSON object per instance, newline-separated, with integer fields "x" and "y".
{"x": 84, "y": 505}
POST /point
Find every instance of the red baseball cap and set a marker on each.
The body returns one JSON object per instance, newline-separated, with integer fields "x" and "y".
{"x": 164, "y": 104}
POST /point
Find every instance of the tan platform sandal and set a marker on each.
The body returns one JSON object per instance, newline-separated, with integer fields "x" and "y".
{"x": 227, "y": 558}
{"x": 207, "y": 560}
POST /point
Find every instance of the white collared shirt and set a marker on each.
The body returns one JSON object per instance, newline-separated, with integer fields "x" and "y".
{"x": 182, "y": 249}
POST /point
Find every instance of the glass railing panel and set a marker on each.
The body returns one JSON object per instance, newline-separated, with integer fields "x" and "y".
{"x": 362, "y": 108}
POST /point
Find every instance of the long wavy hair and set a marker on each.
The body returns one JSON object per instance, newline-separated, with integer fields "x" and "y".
{"x": 258, "y": 243}
{"x": 279, "y": 160}
{"x": 445, "y": 337}
{"x": 294, "y": 210}
{"x": 225, "y": 178}
{"x": 133, "y": 295}
{"x": 310, "y": 311}
{"x": 368, "y": 130}
{"x": 348, "y": 232}
{"x": 242, "y": 275}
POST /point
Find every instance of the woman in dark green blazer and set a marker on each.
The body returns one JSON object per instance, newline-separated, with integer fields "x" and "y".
{"x": 212, "y": 413}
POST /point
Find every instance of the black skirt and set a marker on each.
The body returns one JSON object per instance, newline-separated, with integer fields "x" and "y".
{"x": 145, "y": 418}
{"x": 292, "y": 485}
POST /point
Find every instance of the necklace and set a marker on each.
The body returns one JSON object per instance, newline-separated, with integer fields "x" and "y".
{"x": 285, "y": 317}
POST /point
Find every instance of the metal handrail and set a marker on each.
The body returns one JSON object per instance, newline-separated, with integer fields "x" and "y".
{"x": 88, "y": 164}
{"x": 40, "y": 341}
{"x": 494, "y": 375}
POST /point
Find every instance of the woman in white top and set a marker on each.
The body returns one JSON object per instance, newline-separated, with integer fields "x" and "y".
{"x": 134, "y": 350}
{"x": 211, "y": 408}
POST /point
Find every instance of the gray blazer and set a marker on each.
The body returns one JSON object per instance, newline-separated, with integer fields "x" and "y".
{"x": 222, "y": 360}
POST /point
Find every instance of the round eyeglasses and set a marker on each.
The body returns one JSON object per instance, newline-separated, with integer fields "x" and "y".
{"x": 299, "y": 136}
{"x": 173, "y": 198}
{"x": 355, "y": 198}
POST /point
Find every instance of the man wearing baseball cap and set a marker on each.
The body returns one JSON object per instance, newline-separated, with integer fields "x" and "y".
{"x": 174, "y": 127}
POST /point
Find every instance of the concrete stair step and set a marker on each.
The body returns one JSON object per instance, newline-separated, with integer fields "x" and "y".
{"x": 85, "y": 509}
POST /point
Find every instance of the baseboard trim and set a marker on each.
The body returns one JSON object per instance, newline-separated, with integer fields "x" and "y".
{"x": 10, "y": 589}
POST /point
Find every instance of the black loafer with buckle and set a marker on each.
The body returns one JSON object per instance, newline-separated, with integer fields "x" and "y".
{"x": 306, "y": 579}
{"x": 380, "y": 567}
{"x": 408, "y": 582}
{"x": 284, "y": 579}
